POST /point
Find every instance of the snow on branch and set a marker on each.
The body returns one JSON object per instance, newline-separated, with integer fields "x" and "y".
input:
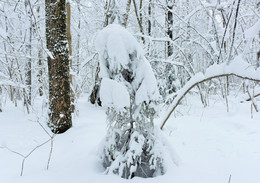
{"x": 5, "y": 81}
{"x": 238, "y": 68}
{"x": 11, "y": 83}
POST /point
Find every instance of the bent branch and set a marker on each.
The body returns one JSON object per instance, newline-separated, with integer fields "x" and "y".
{"x": 189, "y": 85}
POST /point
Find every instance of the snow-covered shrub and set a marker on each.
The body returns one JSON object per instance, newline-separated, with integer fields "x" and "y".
{"x": 130, "y": 94}
{"x": 166, "y": 80}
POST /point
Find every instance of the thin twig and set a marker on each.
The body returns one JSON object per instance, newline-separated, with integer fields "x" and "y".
{"x": 139, "y": 20}
{"x": 36, "y": 147}
{"x": 25, "y": 157}
{"x": 12, "y": 151}
{"x": 49, "y": 159}
{"x": 234, "y": 32}
{"x": 253, "y": 97}
{"x": 229, "y": 180}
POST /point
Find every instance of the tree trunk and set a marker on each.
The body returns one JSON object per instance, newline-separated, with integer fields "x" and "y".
{"x": 78, "y": 37}
{"x": 40, "y": 74}
{"x": 40, "y": 59}
{"x": 28, "y": 43}
{"x": 126, "y": 15}
{"x": 169, "y": 68}
{"x": 1, "y": 99}
{"x": 94, "y": 96}
{"x": 72, "y": 94}
{"x": 139, "y": 18}
{"x": 169, "y": 27}
{"x": 58, "y": 65}
{"x": 150, "y": 18}
{"x": 258, "y": 53}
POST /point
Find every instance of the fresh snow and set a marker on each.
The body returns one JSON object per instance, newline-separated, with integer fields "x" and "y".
{"x": 114, "y": 94}
{"x": 206, "y": 144}
{"x": 252, "y": 31}
{"x": 148, "y": 89}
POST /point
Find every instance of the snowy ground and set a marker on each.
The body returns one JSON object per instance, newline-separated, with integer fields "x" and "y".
{"x": 211, "y": 145}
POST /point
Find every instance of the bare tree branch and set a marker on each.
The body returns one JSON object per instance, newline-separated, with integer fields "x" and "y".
{"x": 180, "y": 96}
{"x": 234, "y": 32}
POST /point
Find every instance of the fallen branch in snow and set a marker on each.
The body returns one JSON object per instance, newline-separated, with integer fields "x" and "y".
{"x": 12, "y": 151}
{"x": 24, "y": 156}
{"x": 38, "y": 146}
{"x": 51, "y": 139}
{"x": 237, "y": 68}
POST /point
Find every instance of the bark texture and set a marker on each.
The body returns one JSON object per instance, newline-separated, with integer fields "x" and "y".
{"x": 169, "y": 28}
{"x": 28, "y": 66}
{"x": 70, "y": 54}
{"x": 58, "y": 65}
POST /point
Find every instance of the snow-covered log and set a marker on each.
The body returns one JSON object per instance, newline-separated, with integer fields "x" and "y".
{"x": 238, "y": 67}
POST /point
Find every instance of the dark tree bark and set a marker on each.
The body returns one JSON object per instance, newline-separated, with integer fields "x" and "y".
{"x": 110, "y": 16}
{"x": 28, "y": 66}
{"x": 40, "y": 58}
{"x": 169, "y": 68}
{"x": 139, "y": 17}
{"x": 149, "y": 18}
{"x": 58, "y": 65}
{"x": 169, "y": 27}
{"x": 1, "y": 99}
{"x": 72, "y": 94}
{"x": 258, "y": 53}
{"x": 126, "y": 15}
{"x": 94, "y": 96}
{"x": 40, "y": 74}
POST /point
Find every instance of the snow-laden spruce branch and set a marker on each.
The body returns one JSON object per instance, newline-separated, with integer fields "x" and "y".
{"x": 237, "y": 67}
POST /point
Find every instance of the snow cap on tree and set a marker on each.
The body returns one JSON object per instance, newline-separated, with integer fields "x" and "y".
{"x": 119, "y": 52}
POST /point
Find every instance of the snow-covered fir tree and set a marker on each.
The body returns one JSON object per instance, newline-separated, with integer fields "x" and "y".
{"x": 129, "y": 92}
